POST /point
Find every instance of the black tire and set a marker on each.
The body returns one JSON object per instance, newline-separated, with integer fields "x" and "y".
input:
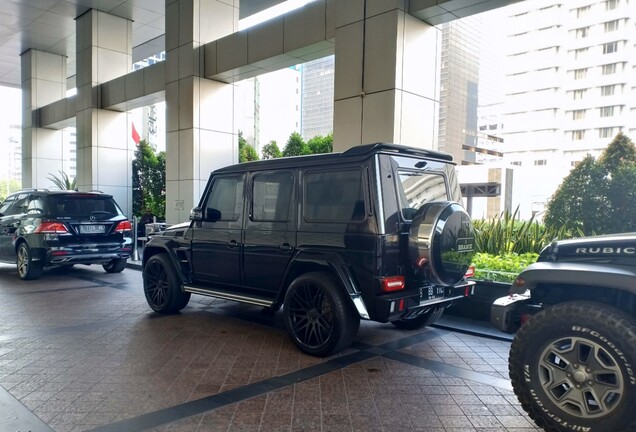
{"x": 162, "y": 287}
{"x": 423, "y": 320}
{"x": 115, "y": 265}
{"x": 28, "y": 269}
{"x": 319, "y": 318}
{"x": 572, "y": 368}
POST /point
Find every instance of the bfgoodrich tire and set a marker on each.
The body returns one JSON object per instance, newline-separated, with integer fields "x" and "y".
{"x": 162, "y": 287}
{"x": 318, "y": 316}
{"x": 573, "y": 368}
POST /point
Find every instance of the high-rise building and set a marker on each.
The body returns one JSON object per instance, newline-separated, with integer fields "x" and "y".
{"x": 317, "y": 97}
{"x": 459, "y": 89}
{"x": 569, "y": 85}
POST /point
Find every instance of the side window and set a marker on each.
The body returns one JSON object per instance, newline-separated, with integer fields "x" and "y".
{"x": 20, "y": 204}
{"x": 35, "y": 202}
{"x": 226, "y": 197}
{"x": 335, "y": 196}
{"x": 271, "y": 197}
{"x": 6, "y": 205}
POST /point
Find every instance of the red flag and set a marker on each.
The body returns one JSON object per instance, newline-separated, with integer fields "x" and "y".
{"x": 135, "y": 136}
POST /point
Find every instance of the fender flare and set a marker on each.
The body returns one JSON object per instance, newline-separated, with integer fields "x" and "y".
{"x": 581, "y": 274}
{"x": 339, "y": 269}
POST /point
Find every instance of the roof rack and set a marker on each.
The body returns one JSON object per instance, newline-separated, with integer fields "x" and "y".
{"x": 396, "y": 148}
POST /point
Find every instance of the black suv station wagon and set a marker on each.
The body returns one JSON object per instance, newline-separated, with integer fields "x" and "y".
{"x": 375, "y": 233}
{"x": 41, "y": 228}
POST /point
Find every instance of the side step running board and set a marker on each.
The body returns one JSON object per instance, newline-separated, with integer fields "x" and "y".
{"x": 259, "y": 301}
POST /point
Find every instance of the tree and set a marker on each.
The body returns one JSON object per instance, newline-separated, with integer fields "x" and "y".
{"x": 598, "y": 197}
{"x": 271, "y": 150}
{"x": 149, "y": 181}
{"x": 8, "y": 186}
{"x": 295, "y": 146}
{"x": 246, "y": 152}
{"x": 63, "y": 182}
{"x": 320, "y": 144}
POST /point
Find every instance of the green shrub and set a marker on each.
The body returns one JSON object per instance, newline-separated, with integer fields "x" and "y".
{"x": 508, "y": 234}
{"x": 501, "y": 268}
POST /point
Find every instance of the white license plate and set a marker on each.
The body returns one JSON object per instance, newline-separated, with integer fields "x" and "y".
{"x": 92, "y": 229}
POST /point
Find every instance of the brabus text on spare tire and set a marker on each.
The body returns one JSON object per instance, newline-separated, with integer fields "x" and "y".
{"x": 618, "y": 352}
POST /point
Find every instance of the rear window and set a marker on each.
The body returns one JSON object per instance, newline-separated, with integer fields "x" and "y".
{"x": 82, "y": 206}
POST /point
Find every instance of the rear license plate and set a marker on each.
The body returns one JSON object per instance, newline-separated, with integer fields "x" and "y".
{"x": 430, "y": 293}
{"x": 92, "y": 229}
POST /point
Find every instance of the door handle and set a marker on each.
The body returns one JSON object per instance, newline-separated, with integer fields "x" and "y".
{"x": 232, "y": 244}
{"x": 285, "y": 247}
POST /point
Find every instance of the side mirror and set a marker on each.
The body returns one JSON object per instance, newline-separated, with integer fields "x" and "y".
{"x": 196, "y": 214}
{"x": 213, "y": 215}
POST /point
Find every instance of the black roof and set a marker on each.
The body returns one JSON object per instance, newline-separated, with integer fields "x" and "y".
{"x": 42, "y": 191}
{"x": 358, "y": 152}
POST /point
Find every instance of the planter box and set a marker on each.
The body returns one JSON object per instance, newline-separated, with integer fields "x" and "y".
{"x": 478, "y": 306}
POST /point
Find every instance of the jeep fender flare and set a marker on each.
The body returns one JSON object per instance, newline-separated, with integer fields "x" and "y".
{"x": 581, "y": 274}
{"x": 339, "y": 270}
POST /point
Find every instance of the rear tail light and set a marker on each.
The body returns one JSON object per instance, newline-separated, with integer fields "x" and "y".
{"x": 124, "y": 226}
{"x": 392, "y": 283}
{"x": 51, "y": 228}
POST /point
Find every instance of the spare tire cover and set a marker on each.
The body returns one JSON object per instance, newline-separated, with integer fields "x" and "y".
{"x": 441, "y": 242}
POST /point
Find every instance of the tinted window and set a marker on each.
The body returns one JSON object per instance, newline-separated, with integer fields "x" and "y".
{"x": 271, "y": 197}
{"x": 226, "y": 196}
{"x": 82, "y": 206}
{"x": 336, "y": 196}
{"x": 20, "y": 204}
{"x": 4, "y": 208}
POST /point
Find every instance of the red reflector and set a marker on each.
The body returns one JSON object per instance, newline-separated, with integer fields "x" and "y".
{"x": 392, "y": 283}
{"x": 57, "y": 253}
{"x": 524, "y": 318}
{"x": 466, "y": 291}
{"x": 124, "y": 226}
{"x": 401, "y": 307}
{"x": 50, "y": 228}
{"x": 470, "y": 272}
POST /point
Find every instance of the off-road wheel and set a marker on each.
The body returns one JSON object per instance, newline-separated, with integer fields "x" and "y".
{"x": 572, "y": 367}
{"x": 115, "y": 265}
{"x": 319, "y": 318}
{"x": 423, "y": 320}
{"x": 162, "y": 287}
{"x": 28, "y": 269}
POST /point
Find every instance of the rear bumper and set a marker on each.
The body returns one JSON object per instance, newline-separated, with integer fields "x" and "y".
{"x": 394, "y": 306}
{"x": 87, "y": 255}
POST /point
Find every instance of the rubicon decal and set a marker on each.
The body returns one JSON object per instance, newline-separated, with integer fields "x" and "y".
{"x": 606, "y": 250}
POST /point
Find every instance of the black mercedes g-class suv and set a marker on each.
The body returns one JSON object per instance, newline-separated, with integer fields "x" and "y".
{"x": 573, "y": 359}
{"x": 375, "y": 232}
{"x": 41, "y": 228}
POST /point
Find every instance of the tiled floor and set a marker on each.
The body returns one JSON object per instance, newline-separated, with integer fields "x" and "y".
{"x": 81, "y": 350}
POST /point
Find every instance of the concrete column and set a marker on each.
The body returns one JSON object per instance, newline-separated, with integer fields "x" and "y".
{"x": 43, "y": 82}
{"x": 104, "y": 150}
{"x": 200, "y": 132}
{"x": 386, "y": 77}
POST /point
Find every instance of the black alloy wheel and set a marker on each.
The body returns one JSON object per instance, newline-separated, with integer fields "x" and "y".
{"x": 318, "y": 316}
{"x": 162, "y": 287}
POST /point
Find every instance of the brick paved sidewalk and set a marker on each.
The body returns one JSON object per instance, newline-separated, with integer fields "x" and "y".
{"x": 81, "y": 351}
